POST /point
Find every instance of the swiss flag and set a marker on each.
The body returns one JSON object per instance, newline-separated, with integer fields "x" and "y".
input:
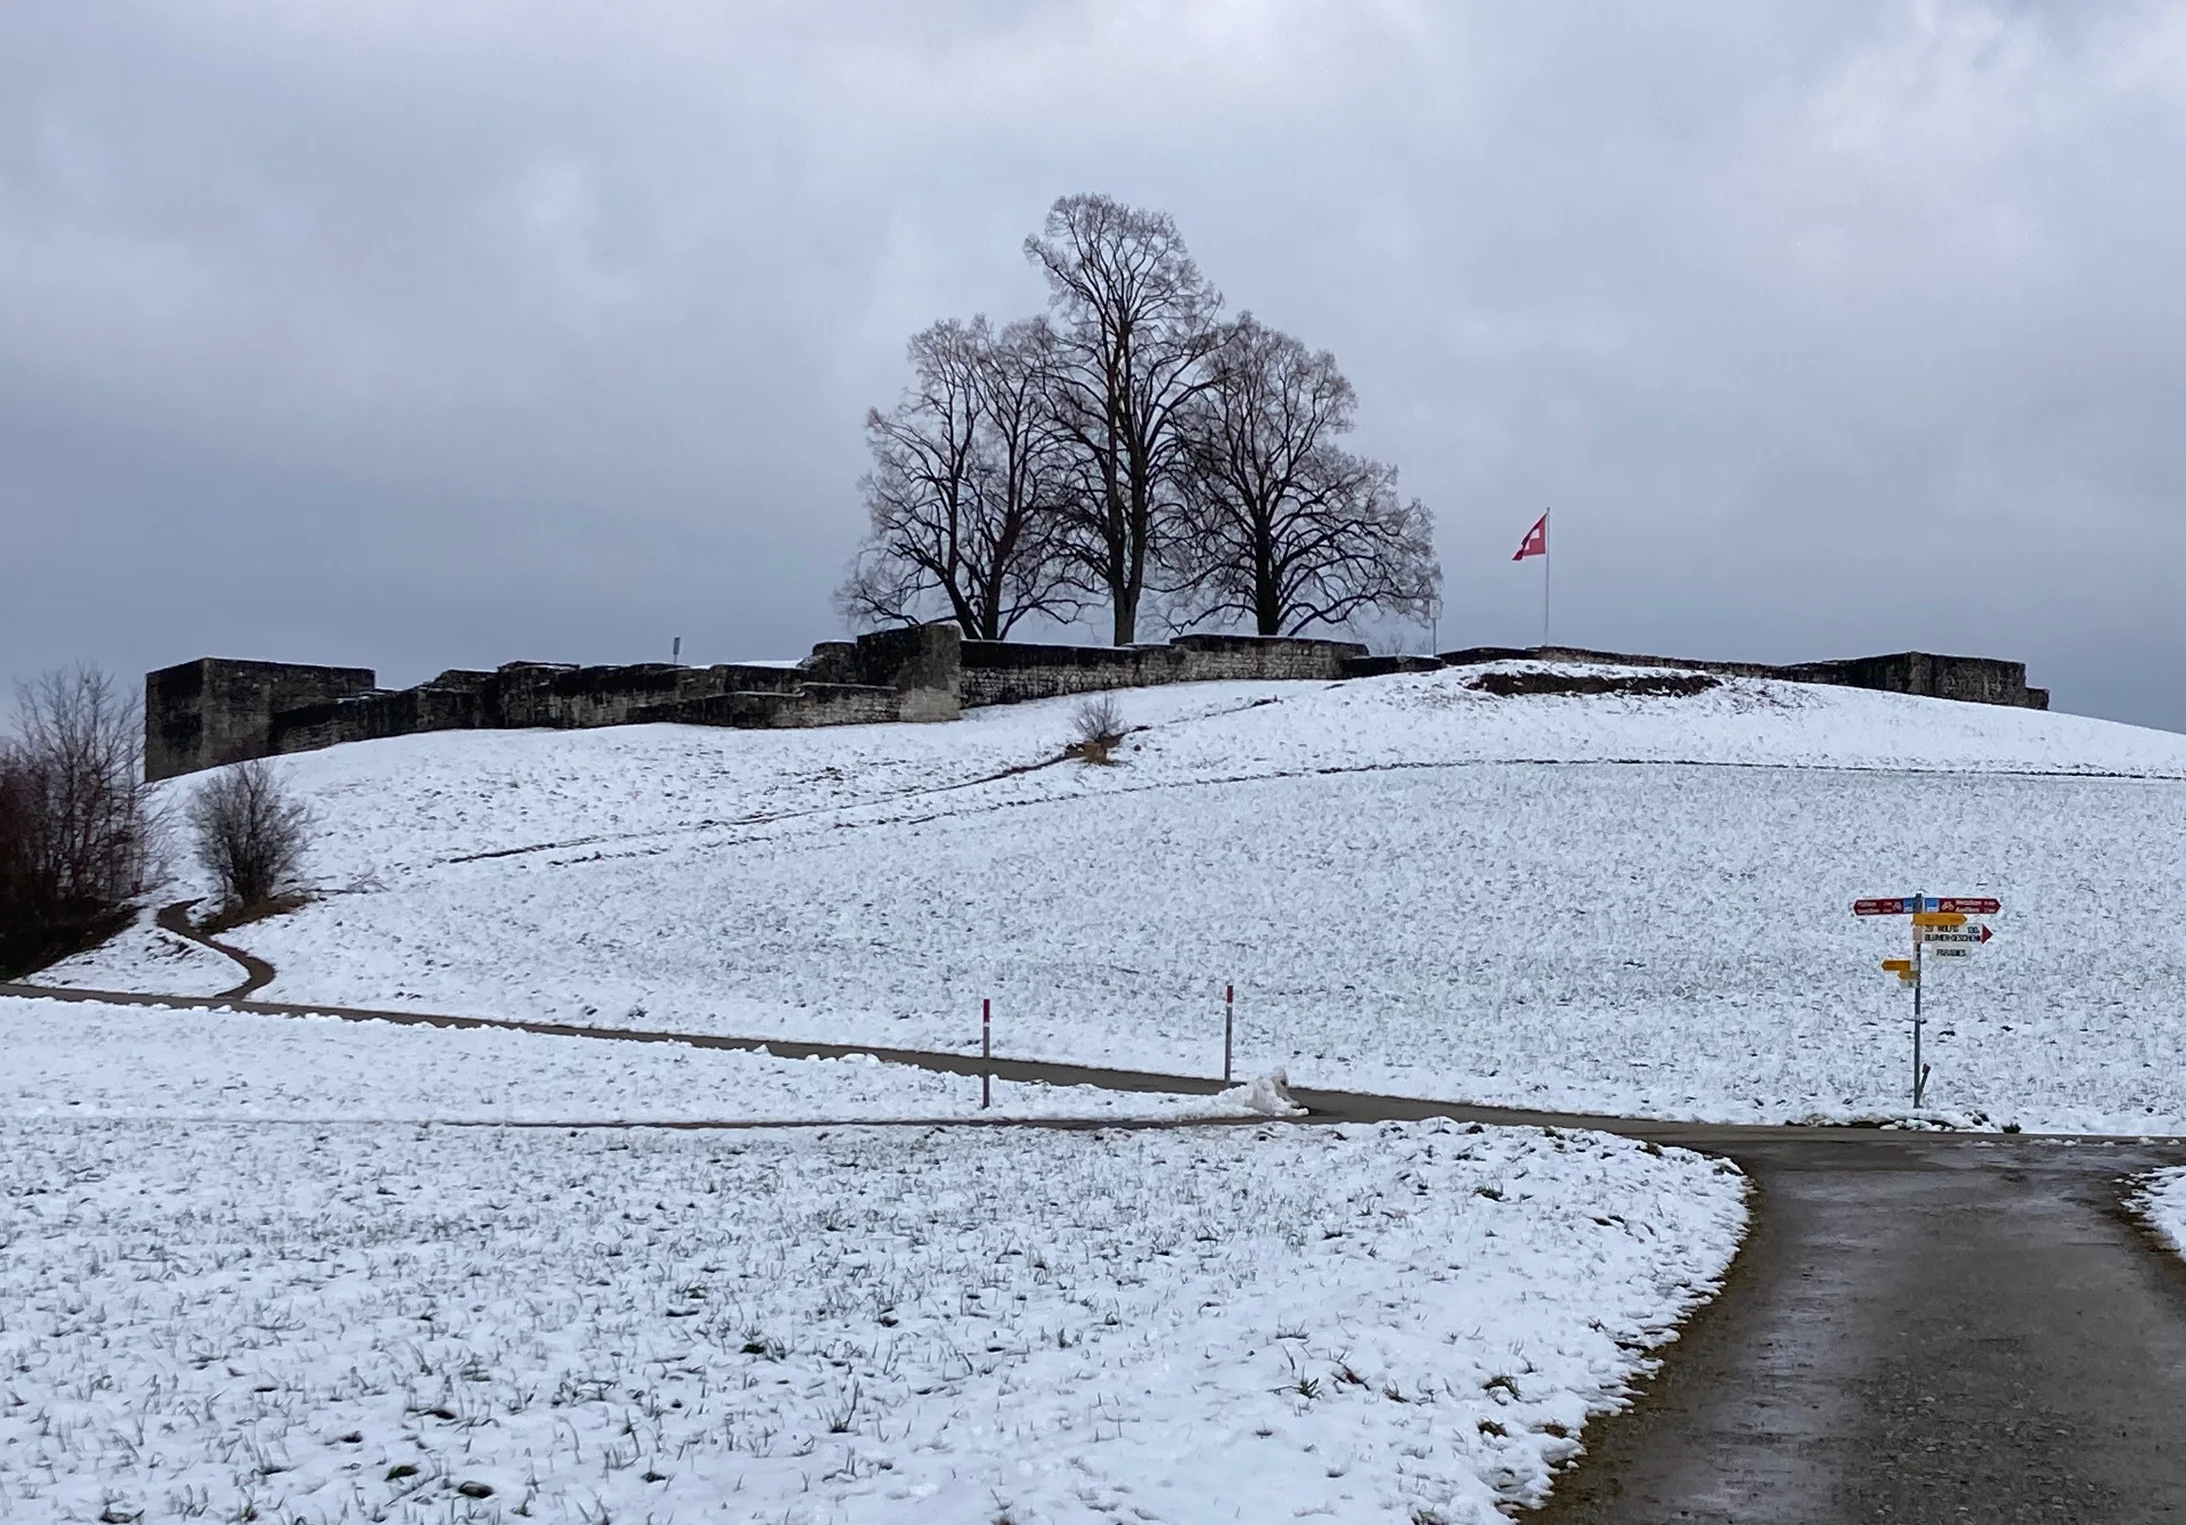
{"x": 1536, "y": 541}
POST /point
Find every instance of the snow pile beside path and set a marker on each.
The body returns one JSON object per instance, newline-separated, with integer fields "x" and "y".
{"x": 78, "y": 1059}
{"x": 2160, "y": 1197}
{"x": 1268, "y": 1095}
{"x": 349, "y": 1324}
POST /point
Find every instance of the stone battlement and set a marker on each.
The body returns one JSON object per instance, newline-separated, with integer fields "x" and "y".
{"x": 211, "y": 711}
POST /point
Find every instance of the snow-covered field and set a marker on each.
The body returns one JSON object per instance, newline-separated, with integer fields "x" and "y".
{"x": 354, "y": 1322}
{"x": 79, "y": 1059}
{"x": 1620, "y": 903}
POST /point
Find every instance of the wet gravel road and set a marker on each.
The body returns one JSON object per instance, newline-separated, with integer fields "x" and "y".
{"x": 1918, "y": 1330}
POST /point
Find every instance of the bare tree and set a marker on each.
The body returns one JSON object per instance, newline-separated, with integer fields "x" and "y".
{"x": 964, "y": 491}
{"x": 249, "y": 835}
{"x": 78, "y": 833}
{"x": 1279, "y": 526}
{"x": 1024, "y": 479}
{"x": 1134, "y": 320}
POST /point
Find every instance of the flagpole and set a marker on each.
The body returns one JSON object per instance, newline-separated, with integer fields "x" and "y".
{"x": 1548, "y": 550}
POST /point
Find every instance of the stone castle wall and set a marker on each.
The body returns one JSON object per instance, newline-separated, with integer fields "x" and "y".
{"x": 1971, "y": 680}
{"x": 211, "y": 711}
{"x": 205, "y": 713}
{"x": 1010, "y": 672}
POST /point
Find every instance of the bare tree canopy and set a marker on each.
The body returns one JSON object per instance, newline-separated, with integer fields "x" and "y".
{"x": 965, "y": 487}
{"x": 1280, "y": 526}
{"x": 1129, "y": 443}
{"x": 78, "y": 835}
{"x": 1134, "y": 319}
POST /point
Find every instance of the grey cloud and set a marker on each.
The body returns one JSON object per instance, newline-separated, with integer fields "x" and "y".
{"x": 414, "y": 335}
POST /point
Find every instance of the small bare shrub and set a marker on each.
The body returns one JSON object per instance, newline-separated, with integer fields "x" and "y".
{"x": 1095, "y": 728}
{"x": 250, "y": 836}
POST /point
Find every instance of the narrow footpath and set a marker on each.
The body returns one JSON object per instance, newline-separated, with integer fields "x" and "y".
{"x": 1938, "y": 1331}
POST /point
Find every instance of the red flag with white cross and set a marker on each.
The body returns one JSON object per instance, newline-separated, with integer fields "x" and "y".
{"x": 1536, "y": 541}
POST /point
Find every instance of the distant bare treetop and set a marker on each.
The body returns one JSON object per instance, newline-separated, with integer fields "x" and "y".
{"x": 1121, "y": 275}
{"x": 1128, "y": 443}
{"x": 965, "y": 493}
{"x": 1280, "y": 526}
{"x": 1135, "y": 320}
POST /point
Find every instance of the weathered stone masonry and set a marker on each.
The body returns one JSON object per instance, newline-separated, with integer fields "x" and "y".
{"x": 212, "y": 711}
{"x": 1972, "y": 680}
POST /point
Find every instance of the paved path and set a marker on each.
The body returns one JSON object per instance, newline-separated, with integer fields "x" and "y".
{"x": 1921, "y": 1328}
{"x": 1939, "y": 1331}
{"x": 257, "y": 973}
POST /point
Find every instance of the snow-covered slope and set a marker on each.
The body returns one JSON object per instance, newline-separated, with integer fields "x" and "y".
{"x": 1620, "y": 902}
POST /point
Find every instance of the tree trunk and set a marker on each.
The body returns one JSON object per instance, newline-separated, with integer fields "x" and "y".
{"x": 1127, "y": 615}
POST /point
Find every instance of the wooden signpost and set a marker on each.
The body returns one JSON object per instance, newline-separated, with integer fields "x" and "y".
{"x": 1943, "y": 927}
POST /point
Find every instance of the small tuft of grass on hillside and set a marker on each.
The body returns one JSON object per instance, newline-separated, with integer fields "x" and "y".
{"x": 1096, "y": 726}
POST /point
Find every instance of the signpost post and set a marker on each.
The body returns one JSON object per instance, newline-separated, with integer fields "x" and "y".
{"x": 1943, "y": 927}
{"x": 1229, "y": 1024}
{"x": 1920, "y": 1071}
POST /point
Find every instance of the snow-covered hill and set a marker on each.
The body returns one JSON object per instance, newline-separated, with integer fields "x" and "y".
{"x": 1616, "y": 902}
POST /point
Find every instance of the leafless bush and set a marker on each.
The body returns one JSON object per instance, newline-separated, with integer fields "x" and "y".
{"x": 78, "y": 834}
{"x": 1096, "y": 725}
{"x": 249, "y": 835}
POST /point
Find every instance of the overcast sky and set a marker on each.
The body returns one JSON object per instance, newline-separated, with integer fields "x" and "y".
{"x": 417, "y": 335}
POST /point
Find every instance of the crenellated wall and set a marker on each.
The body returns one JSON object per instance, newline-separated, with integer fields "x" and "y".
{"x": 212, "y": 711}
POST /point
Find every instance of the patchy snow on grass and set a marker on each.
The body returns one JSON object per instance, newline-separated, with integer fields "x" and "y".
{"x": 352, "y": 1323}
{"x": 1620, "y": 903}
{"x": 85, "y": 1059}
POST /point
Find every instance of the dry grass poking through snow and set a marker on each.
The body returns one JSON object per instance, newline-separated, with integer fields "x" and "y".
{"x": 417, "y": 1324}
